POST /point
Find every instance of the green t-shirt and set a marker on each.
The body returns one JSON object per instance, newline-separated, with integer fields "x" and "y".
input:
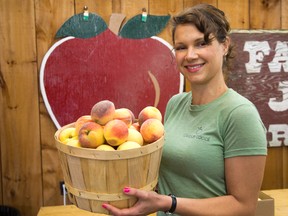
{"x": 199, "y": 137}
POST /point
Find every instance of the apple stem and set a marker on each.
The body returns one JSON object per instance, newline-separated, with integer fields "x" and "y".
{"x": 115, "y": 22}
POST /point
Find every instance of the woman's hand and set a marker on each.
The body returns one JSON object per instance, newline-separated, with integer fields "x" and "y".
{"x": 148, "y": 202}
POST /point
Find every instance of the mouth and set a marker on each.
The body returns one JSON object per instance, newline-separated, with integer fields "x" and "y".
{"x": 194, "y": 68}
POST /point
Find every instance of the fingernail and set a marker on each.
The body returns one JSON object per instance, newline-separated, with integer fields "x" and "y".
{"x": 126, "y": 190}
{"x": 104, "y": 206}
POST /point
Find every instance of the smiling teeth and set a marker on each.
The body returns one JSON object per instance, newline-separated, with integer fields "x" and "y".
{"x": 194, "y": 67}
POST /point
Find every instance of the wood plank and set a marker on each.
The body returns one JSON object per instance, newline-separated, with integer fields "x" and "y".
{"x": 273, "y": 176}
{"x": 189, "y": 3}
{"x": 284, "y": 15}
{"x": 285, "y": 166}
{"x": 100, "y": 7}
{"x": 68, "y": 210}
{"x": 280, "y": 201}
{"x": 237, "y": 13}
{"x": 50, "y": 15}
{"x": 164, "y": 7}
{"x": 2, "y": 86}
{"x": 116, "y": 6}
{"x": 265, "y": 14}
{"x": 20, "y": 132}
{"x": 131, "y": 8}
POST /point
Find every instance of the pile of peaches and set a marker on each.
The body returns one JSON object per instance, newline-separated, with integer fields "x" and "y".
{"x": 108, "y": 128}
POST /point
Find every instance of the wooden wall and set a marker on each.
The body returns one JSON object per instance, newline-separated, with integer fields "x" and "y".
{"x": 29, "y": 164}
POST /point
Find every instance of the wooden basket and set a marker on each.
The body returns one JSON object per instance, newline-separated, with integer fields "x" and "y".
{"x": 93, "y": 177}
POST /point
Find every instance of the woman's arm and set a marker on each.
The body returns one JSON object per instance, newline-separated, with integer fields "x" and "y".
{"x": 243, "y": 180}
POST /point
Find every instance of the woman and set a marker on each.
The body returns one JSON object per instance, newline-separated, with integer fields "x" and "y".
{"x": 215, "y": 143}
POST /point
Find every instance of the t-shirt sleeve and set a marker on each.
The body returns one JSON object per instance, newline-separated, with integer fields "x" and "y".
{"x": 245, "y": 133}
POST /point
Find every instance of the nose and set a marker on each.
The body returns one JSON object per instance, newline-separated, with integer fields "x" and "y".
{"x": 191, "y": 54}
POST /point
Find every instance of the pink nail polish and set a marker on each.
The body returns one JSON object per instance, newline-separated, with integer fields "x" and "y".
{"x": 126, "y": 189}
{"x": 104, "y": 206}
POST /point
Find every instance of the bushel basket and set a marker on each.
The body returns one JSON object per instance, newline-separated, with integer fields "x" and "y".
{"x": 93, "y": 177}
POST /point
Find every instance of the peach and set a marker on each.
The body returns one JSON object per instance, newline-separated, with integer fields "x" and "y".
{"x": 149, "y": 112}
{"x": 152, "y": 130}
{"x": 74, "y": 142}
{"x": 80, "y": 121}
{"x": 115, "y": 132}
{"x": 105, "y": 147}
{"x": 67, "y": 134}
{"x": 91, "y": 135}
{"x": 103, "y": 112}
{"x": 125, "y": 115}
{"x": 132, "y": 115}
{"x": 134, "y": 135}
{"x": 128, "y": 145}
{"x": 135, "y": 126}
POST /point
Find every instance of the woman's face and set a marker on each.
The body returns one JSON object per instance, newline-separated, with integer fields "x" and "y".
{"x": 199, "y": 62}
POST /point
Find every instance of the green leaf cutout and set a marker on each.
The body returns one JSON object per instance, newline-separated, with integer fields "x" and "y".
{"x": 78, "y": 27}
{"x": 135, "y": 28}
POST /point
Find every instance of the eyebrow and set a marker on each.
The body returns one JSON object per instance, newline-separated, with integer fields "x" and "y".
{"x": 194, "y": 41}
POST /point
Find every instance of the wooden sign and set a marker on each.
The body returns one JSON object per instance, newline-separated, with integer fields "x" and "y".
{"x": 260, "y": 74}
{"x": 91, "y": 63}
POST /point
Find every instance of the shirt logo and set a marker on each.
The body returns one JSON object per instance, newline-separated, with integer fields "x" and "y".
{"x": 197, "y": 135}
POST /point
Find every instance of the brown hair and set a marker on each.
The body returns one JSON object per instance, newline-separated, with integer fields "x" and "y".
{"x": 208, "y": 20}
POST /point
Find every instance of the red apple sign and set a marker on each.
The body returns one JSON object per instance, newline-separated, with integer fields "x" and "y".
{"x": 80, "y": 70}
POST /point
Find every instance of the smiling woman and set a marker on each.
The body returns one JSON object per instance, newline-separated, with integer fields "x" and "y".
{"x": 198, "y": 60}
{"x": 215, "y": 143}
{"x": 209, "y": 50}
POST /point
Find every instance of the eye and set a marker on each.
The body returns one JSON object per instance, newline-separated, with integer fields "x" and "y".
{"x": 180, "y": 48}
{"x": 201, "y": 44}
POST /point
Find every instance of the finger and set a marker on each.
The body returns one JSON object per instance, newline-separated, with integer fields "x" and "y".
{"x": 112, "y": 210}
{"x": 127, "y": 211}
{"x": 132, "y": 192}
{"x": 117, "y": 212}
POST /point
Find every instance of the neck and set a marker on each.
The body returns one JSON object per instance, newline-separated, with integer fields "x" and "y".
{"x": 204, "y": 95}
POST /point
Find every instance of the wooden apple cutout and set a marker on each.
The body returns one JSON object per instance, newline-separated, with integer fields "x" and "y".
{"x": 79, "y": 71}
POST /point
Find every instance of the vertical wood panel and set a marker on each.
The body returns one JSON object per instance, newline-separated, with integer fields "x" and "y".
{"x": 284, "y": 14}
{"x": 100, "y": 7}
{"x": 189, "y": 3}
{"x": 165, "y": 7}
{"x": 237, "y": 13}
{"x": 273, "y": 176}
{"x": 285, "y": 167}
{"x": 131, "y": 8}
{"x": 2, "y": 84}
{"x": 265, "y": 14}
{"x": 50, "y": 15}
{"x": 20, "y": 132}
{"x": 116, "y": 6}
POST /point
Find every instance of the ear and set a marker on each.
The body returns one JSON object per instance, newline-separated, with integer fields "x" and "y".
{"x": 226, "y": 45}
